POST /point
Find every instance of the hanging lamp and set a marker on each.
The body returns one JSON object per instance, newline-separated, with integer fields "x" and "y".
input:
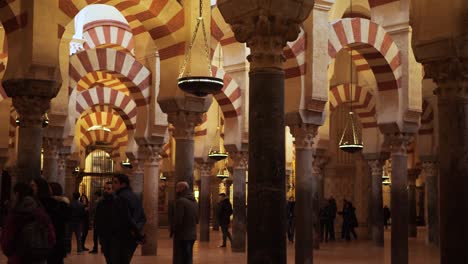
{"x": 126, "y": 163}
{"x": 199, "y": 85}
{"x": 217, "y": 151}
{"x": 351, "y": 139}
{"x": 223, "y": 173}
{"x": 162, "y": 176}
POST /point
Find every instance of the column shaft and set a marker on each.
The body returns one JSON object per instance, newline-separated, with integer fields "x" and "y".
{"x": 214, "y": 202}
{"x": 204, "y": 200}
{"x": 412, "y": 227}
{"x": 453, "y": 169}
{"x": 184, "y": 161}
{"x": 431, "y": 185}
{"x": 399, "y": 201}
{"x": 239, "y": 224}
{"x": 376, "y": 202}
{"x": 267, "y": 199}
{"x": 150, "y": 201}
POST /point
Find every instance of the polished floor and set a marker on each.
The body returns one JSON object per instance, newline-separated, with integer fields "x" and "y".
{"x": 339, "y": 252}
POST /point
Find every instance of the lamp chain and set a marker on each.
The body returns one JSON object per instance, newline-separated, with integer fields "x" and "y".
{"x": 192, "y": 42}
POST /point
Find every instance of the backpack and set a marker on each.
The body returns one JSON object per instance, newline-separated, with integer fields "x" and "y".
{"x": 33, "y": 241}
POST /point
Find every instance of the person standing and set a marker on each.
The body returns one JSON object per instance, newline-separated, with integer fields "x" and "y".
{"x": 224, "y": 217}
{"x": 59, "y": 211}
{"x": 28, "y": 234}
{"x": 85, "y": 221}
{"x": 387, "y": 215}
{"x": 77, "y": 212}
{"x": 132, "y": 233}
{"x": 324, "y": 215}
{"x": 97, "y": 195}
{"x": 185, "y": 224}
{"x": 290, "y": 217}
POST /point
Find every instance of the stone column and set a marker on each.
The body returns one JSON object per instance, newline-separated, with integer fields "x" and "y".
{"x": 398, "y": 144}
{"x": 150, "y": 198}
{"x": 227, "y": 185}
{"x": 266, "y": 28}
{"x": 429, "y": 168}
{"x": 412, "y": 225}
{"x": 51, "y": 147}
{"x": 452, "y": 95}
{"x": 61, "y": 169}
{"x": 318, "y": 164}
{"x": 239, "y": 221}
{"x": 214, "y": 202}
{"x": 184, "y": 123}
{"x": 376, "y": 203}
{"x": 204, "y": 199}
{"x": 70, "y": 177}
{"x": 31, "y": 110}
{"x": 306, "y": 192}
{"x": 137, "y": 175}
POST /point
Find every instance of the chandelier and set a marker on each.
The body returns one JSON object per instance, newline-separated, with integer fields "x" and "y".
{"x": 217, "y": 151}
{"x": 223, "y": 173}
{"x": 351, "y": 139}
{"x": 199, "y": 85}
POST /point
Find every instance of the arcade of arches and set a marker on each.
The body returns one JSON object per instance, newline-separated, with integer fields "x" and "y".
{"x": 103, "y": 74}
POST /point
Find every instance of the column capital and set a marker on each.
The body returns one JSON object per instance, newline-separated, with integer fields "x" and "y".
{"x": 204, "y": 168}
{"x": 429, "y": 168}
{"x": 266, "y": 28}
{"x": 450, "y": 74}
{"x": 240, "y": 159}
{"x": 150, "y": 154}
{"x": 376, "y": 166}
{"x": 184, "y": 123}
{"x": 304, "y": 135}
{"x": 31, "y": 109}
{"x": 398, "y": 143}
{"x": 51, "y": 147}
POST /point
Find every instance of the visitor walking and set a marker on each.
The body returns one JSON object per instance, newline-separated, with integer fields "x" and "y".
{"x": 224, "y": 217}
{"x": 325, "y": 219}
{"x": 332, "y": 211}
{"x": 77, "y": 212}
{"x": 85, "y": 221}
{"x": 97, "y": 199}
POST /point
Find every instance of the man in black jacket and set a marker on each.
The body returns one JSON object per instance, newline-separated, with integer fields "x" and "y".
{"x": 224, "y": 217}
{"x": 132, "y": 234}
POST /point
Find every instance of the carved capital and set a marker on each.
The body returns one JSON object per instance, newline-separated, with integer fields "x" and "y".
{"x": 51, "y": 147}
{"x": 240, "y": 159}
{"x": 376, "y": 166}
{"x": 184, "y": 123}
{"x": 304, "y": 135}
{"x": 204, "y": 168}
{"x": 31, "y": 109}
{"x": 451, "y": 75}
{"x": 150, "y": 154}
{"x": 318, "y": 164}
{"x": 429, "y": 168}
{"x": 398, "y": 143}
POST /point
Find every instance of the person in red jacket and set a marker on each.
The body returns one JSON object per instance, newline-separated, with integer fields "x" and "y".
{"x": 25, "y": 209}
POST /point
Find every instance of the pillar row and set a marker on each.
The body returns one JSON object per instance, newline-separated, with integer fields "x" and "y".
{"x": 319, "y": 160}
{"x": 429, "y": 167}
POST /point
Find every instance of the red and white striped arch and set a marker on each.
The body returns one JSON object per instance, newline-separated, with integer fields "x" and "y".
{"x": 229, "y": 98}
{"x": 427, "y": 119}
{"x": 108, "y": 33}
{"x": 124, "y": 104}
{"x": 101, "y": 78}
{"x": 374, "y": 44}
{"x": 115, "y": 62}
{"x": 295, "y": 64}
{"x": 88, "y": 138}
{"x": 363, "y": 102}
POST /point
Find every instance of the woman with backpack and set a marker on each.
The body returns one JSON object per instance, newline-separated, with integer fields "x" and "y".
{"x": 28, "y": 235}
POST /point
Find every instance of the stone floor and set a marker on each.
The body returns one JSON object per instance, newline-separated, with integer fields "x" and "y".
{"x": 339, "y": 252}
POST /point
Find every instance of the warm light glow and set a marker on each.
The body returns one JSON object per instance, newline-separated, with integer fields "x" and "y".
{"x": 99, "y": 127}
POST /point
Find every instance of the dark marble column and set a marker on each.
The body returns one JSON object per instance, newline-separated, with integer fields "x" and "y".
{"x": 184, "y": 123}
{"x": 214, "y": 202}
{"x": 306, "y": 192}
{"x": 31, "y": 110}
{"x": 318, "y": 164}
{"x": 70, "y": 178}
{"x": 412, "y": 220}
{"x": 239, "y": 224}
{"x": 61, "y": 169}
{"x": 137, "y": 175}
{"x": 377, "y": 221}
{"x": 429, "y": 167}
{"x": 204, "y": 199}
{"x": 451, "y": 77}
{"x": 150, "y": 197}
{"x": 398, "y": 143}
{"x": 227, "y": 185}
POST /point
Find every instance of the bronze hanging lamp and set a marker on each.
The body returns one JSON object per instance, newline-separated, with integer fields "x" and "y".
{"x": 351, "y": 139}
{"x": 217, "y": 151}
{"x": 223, "y": 173}
{"x": 199, "y": 85}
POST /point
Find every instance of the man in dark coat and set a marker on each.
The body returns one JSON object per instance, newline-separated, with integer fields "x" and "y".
{"x": 185, "y": 224}
{"x": 224, "y": 217}
{"x": 332, "y": 212}
{"x": 132, "y": 233}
